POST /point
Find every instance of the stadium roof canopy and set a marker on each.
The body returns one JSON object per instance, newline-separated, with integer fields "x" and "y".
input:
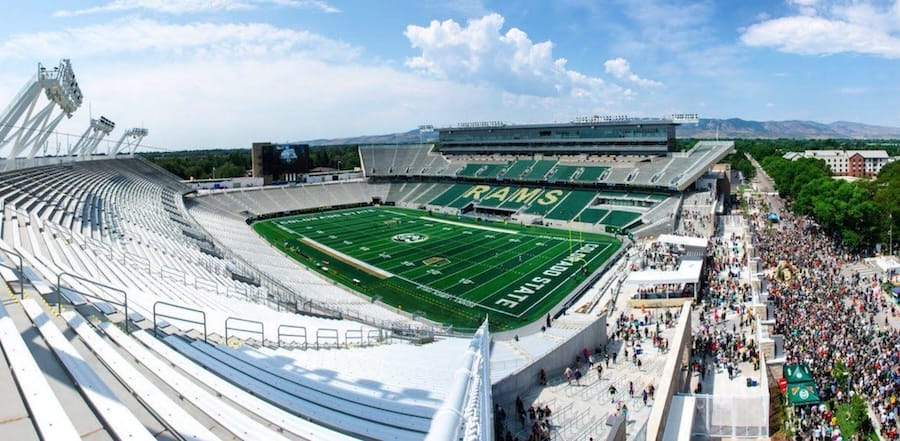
{"x": 691, "y": 242}
{"x": 688, "y": 272}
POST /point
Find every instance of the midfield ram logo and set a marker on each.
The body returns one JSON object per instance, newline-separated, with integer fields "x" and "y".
{"x": 410, "y": 238}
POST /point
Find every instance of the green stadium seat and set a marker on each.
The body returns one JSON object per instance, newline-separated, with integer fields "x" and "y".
{"x": 592, "y": 215}
{"x": 450, "y": 195}
{"x": 591, "y": 174}
{"x": 518, "y": 168}
{"x": 620, "y": 219}
{"x": 540, "y": 169}
{"x": 563, "y": 172}
{"x": 570, "y": 206}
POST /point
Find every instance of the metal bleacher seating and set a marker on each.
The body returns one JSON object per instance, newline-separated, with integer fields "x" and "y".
{"x": 117, "y": 416}
{"x": 92, "y": 234}
{"x": 51, "y": 422}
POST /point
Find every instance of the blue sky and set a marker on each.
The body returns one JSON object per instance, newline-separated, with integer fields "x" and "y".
{"x": 224, "y": 73}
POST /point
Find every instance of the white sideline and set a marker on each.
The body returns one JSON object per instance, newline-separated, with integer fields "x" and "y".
{"x": 176, "y": 418}
{"x": 46, "y": 411}
{"x": 232, "y": 420}
{"x": 463, "y": 224}
{"x": 349, "y": 259}
{"x": 114, "y": 414}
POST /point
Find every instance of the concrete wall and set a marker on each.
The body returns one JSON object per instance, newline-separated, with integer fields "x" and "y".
{"x": 673, "y": 379}
{"x": 554, "y": 362}
{"x": 659, "y": 303}
{"x": 617, "y": 433}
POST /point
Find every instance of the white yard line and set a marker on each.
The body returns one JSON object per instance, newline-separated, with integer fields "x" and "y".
{"x": 463, "y": 224}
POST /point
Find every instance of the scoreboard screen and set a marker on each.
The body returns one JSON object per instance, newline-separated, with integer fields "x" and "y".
{"x": 282, "y": 159}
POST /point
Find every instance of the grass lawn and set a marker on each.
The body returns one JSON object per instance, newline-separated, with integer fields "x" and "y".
{"x": 451, "y": 270}
{"x": 847, "y": 425}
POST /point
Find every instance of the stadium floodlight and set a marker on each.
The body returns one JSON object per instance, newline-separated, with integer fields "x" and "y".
{"x": 22, "y": 127}
{"x": 96, "y": 131}
{"x": 129, "y": 141}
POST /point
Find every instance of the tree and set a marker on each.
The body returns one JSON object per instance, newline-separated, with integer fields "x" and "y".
{"x": 857, "y": 213}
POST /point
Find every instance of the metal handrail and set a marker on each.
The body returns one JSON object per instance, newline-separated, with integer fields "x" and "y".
{"x": 59, "y": 278}
{"x": 20, "y": 272}
{"x": 261, "y": 331}
{"x": 333, "y": 333}
{"x": 357, "y": 334}
{"x": 186, "y": 308}
{"x": 305, "y": 339}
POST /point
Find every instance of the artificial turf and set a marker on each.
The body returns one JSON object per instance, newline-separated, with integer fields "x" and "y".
{"x": 453, "y": 270}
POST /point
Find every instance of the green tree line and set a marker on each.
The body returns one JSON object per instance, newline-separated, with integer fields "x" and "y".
{"x": 232, "y": 163}
{"x": 860, "y": 214}
{"x": 203, "y": 164}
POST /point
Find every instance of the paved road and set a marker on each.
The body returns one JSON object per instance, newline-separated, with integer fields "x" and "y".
{"x": 765, "y": 185}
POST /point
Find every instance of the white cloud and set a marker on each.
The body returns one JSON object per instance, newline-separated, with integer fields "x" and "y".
{"x": 859, "y": 27}
{"x": 621, "y": 69}
{"x": 479, "y": 53}
{"x": 233, "y": 102}
{"x": 148, "y": 37}
{"x": 200, "y": 84}
{"x": 193, "y": 6}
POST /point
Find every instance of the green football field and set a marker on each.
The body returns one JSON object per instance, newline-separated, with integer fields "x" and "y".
{"x": 448, "y": 269}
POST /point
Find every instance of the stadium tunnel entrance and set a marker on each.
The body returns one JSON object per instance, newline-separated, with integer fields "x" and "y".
{"x": 493, "y": 212}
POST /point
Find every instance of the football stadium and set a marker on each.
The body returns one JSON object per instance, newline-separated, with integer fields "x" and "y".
{"x": 437, "y": 292}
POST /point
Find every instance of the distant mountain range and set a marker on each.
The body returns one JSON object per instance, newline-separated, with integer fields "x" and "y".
{"x": 727, "y": 128}
{"x": 409, "y": 137}
{"x": 739, "y": 128}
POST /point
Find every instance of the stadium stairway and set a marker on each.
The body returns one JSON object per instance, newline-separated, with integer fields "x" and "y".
{"x": 82, "y": 394}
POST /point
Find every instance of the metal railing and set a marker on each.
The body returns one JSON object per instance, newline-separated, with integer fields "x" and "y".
{"x": 59, "y": 278}
{"x": 285, "y": 334}
{"x": 156, "y": 314}
{"x": 20, "y": 271}
{"x": 261, "y": 331}
{"x": 328, "y": 334}
{"x": 353, "y": 335}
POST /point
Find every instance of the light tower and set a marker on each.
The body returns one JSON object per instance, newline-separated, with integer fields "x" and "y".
{"x": 21, "y": 127}
{"x": 96, "y": 131}
{"x": 129, "y": 141}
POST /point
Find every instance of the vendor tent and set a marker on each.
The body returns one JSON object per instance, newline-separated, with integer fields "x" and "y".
{"x": 801, "y": 387}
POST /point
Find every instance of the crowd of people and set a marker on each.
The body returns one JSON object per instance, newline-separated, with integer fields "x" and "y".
{"x": 828, "y": 317}
{"x": 659, "y": 256}
{"x": 722, "y": 335}
{"x": 537, "y": 417}
{"x": 695, "y": 222}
